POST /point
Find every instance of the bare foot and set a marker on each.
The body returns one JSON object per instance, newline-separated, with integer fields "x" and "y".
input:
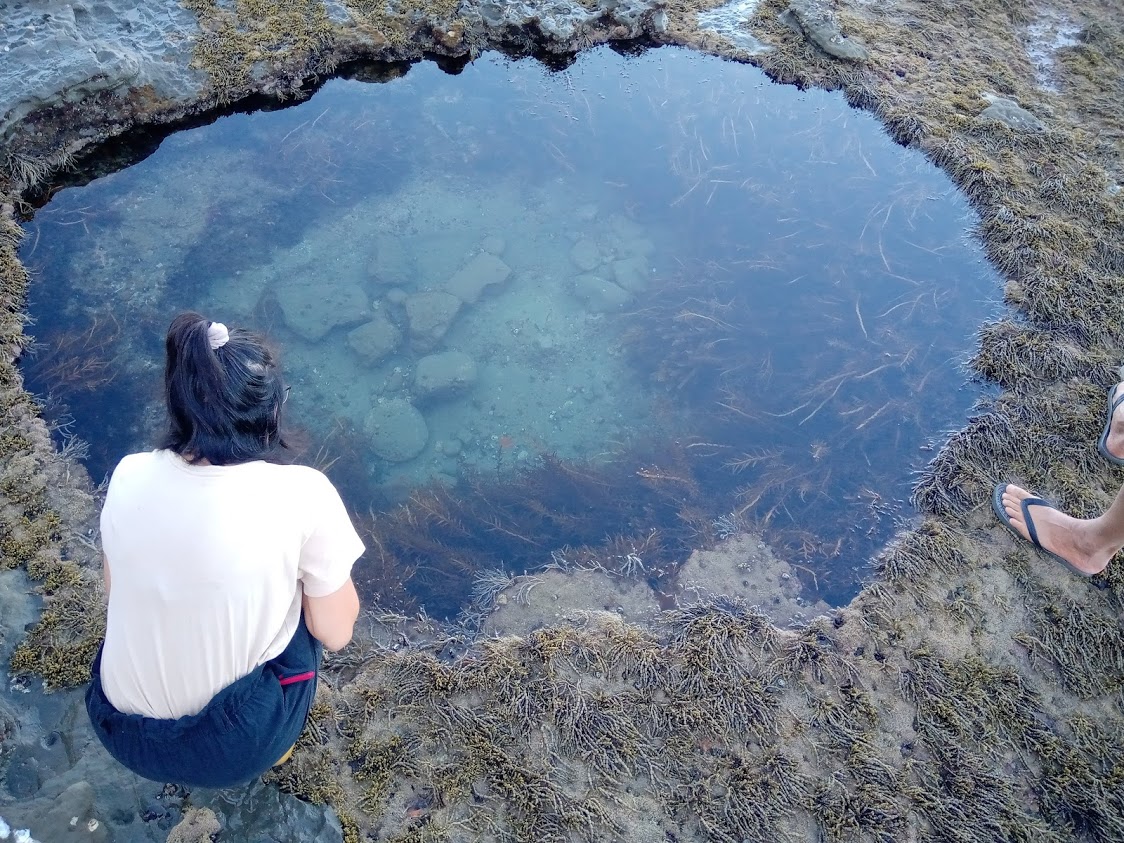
{"x": 1115, "y": 443}
{"x": 1058, "y": 533}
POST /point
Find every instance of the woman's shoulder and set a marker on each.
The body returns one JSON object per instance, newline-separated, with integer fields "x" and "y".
{"x": 292, "y": 476}
{"x": 138, "y": 462}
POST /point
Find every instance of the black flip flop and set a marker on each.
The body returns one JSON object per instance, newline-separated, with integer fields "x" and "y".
{"x": 1001, "y": 513}
{"x": 1102, "y": 443}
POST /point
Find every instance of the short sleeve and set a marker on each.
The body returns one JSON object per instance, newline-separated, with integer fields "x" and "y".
{"x": 332, "y": 545}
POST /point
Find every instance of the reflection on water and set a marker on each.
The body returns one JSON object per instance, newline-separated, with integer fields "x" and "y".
{"x": 728, "y": 303}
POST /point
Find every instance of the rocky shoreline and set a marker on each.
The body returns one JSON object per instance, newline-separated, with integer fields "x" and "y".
{"x": 972, "y": 692}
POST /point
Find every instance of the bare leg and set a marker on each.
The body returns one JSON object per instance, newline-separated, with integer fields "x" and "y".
{"x": 1086, "y": 543}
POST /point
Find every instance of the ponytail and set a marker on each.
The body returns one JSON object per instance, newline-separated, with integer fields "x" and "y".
{"x": 223, "y": 393}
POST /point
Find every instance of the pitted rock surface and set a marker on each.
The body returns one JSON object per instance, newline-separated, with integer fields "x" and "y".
{"x": 56, "y": 52}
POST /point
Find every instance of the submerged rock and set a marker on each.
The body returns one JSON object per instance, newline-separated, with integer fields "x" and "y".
{"x": 631, "y": 274}
{"x": 818, "y": 25}
{"x": 392, "y": 263}
{"x": 430, "y": 316}
{"x": 481, "y": 272}
{"x": 493, "y": 244}
{"x": 443, "y": 374}
{"x": 599, "y": 295}
{"x": 314, "y": 308}
{"x": 375, "y": 340}
{"x": 397, "y": 429}
{"x": 585, "y": 255}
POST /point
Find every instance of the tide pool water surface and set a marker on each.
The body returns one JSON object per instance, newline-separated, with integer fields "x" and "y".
{"x": 628, "y": 307}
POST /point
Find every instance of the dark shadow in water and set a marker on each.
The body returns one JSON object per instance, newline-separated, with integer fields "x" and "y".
{"x": 793, "y": 293}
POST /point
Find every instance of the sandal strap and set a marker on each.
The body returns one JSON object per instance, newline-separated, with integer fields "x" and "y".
{"x": 1029, "y": 521}
{"x": 1117, "y": 400}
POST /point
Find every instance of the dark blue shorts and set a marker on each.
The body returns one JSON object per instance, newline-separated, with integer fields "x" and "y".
{"x": 241, "y": 733}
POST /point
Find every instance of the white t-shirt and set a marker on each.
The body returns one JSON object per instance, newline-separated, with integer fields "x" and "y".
{"x": 207, "y": 566}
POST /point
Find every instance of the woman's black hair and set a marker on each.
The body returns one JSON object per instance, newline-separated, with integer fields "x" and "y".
{"x": 224, "y": 404}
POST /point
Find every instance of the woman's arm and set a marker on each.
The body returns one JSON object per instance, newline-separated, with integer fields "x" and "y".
{"x": 331, "y": 619}
{"x": 105, "y": 574}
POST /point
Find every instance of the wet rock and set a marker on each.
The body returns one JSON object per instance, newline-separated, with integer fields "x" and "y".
{"x": 1011, "y": 113}
{"x": 259, "y": 813}
{"x": 73, "y": 816}
{"x": 375, "y": 340}
{"x": 430, "y": 315}
{"x": 444, "y": 374}
{"x": 31, "y": 764}
{"x": 585, "y": 255}
{"x": 631, "y": 274}
{"x": 22, "y": 778}
{"x": 818, "y": 25}
{"x": 481, "y": 272}
{"x": 599, "y": 295}
{"x": 314, "y": 307}
{"x": 197, "y": 826}
{"x": 392, "y": 262}
{"x": 18, "y": 607}
{"x": 397, "y": 429}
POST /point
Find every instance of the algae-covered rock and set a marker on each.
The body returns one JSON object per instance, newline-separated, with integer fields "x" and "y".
{"x": 199, "y": 825}
{"x": 430, "y": 315}
{"x": 443, "y": 374}
{"x": 745, "y": 568}
{"x": 529, "y": 601}
{"x": 600, "y": 295}
{"x": 397, "y": 429}
{"x": 375, "y": 340}
{"x": 1011, "y": 113}
{"x": 481, "y": 272}
{"x": 818, "y": 25}
{"x": 312, "y": 307}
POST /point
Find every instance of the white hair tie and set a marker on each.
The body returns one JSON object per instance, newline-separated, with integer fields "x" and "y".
{"x": 217, "y": 335}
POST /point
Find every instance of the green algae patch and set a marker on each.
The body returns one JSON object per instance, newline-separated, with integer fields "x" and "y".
{"x": 289, "y": 38}
{"x": 281, "y": 45}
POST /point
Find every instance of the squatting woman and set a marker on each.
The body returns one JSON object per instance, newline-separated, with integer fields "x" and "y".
{"x": 226, "y": 573}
